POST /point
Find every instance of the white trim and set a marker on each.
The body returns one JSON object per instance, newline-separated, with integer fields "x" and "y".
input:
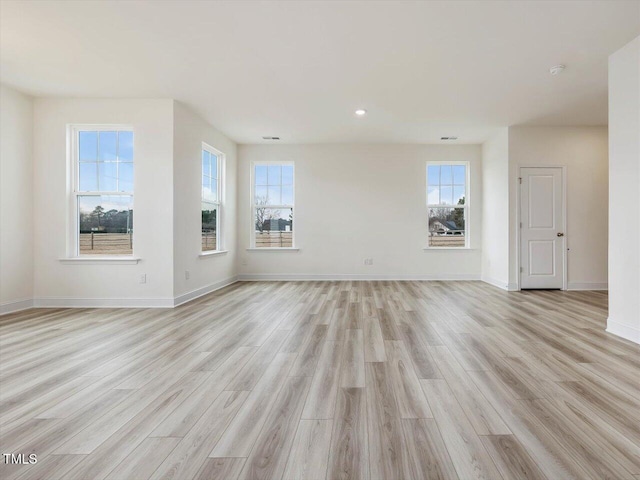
{"x": 504, "y": 285}
{"x": 625, "y": 331}
{"x": 517, "y": 227}
{"x": 16, "y": 306}
{"x": 273, "y": 249}
{"x": 466, "y": 207}
{"x": 199, "y": 292}
{"x": 252, "y": 187}
{"x": 587, "y": 286}
{"x": 70, "y": 302}
{"x": 349, "y": 276}
{"x": 221, "y": 162}
{"x": 99, "y": 260}
{"x": 73, "y": 192}
{"x": 565, "y": 240}
{"x": 213, "y": 253}
{"x": 435, "y": 249}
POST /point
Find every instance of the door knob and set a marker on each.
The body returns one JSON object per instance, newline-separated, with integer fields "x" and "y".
{"x": 560, "y": 234}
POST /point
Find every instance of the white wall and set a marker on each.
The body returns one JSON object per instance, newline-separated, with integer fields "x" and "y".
{"x": 583, "y": 150}
{"x": 352, "y": 202}
{"x": 16, "y": 200}
{"x": 211, "y": 271}
{"x": 624, "y": 199}
{"x": 58, "y": 283}
{"x": 495, "y": 210}
{"x": 357, "y": 201}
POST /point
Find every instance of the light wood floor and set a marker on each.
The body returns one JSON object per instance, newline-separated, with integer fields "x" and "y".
{"x": 335, "y": 380}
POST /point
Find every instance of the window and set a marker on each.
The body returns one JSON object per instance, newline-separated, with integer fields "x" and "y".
{"x": 272, "y": 205}
{"x": 212, "y": 163}
{"x": 102, "y": 190}
{"x": 447, "y": 204}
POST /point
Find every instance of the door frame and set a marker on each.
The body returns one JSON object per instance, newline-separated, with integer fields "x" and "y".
{"x": 565, "y": 241}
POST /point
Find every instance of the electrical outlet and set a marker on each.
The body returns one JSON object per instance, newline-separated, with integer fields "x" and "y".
{"x": 143, "y": 278}
{"x": 368, "y": 261}
{"x": 187, "y": 274}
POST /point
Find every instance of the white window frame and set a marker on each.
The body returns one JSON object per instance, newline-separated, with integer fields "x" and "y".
{"x": 73, "y": 216}
{"x": 220, "y": 200}
{"x": 252, "y": 223}
{"x": 466, "y": 207}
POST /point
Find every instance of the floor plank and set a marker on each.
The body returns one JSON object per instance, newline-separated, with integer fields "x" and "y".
{"x": 511, "y": 458}
{"x": 428, "y": 455}
{"x": 321, "y": 400}
{"x": 51, "y": 467}
{"x": 309, "y": 455}
{"x": 239, "y": 438}
{"x": 187, "y": 414}
{"x": 221, "y": 469}
{"x": 269, "y": 456}
{"x": 191, "y": 453}
{"x": 481, "y": 414}
{"x": 387, "y": 449}
{"x": 406, "y": 386}
{"x": 307, "y": 360}
{"x": 470, "y": 458}
{"x": 336, "y": 380}
{"x": 145, "y": 459}
{"x": 349, "y": 454}
{"x": 353, "y": 360}
{"x": 373, "y": 340}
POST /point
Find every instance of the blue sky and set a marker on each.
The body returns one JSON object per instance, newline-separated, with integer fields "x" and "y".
{"x": 274, "y": 183}
{"x": 446, "y": 184}
{"x": 105, "y": 161}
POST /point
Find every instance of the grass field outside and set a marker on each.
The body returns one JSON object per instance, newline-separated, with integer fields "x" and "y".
{"x": 122, "y": 243}
{"x": 447, "y": 241}
{"x": 106, "y": 244}
{"x": 272, "y": 239}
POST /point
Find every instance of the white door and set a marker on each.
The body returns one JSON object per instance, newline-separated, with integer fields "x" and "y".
{"x": 541, "y": 228}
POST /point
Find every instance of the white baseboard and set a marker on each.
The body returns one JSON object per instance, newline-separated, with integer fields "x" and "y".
{"x": 496, "y": 283}
{"x": 16, "y": 306}
{"x": 348, "y": 276}
{"x": 71, "y": 302}
{"x": 199, "y": 292}
{"x": 587, "y": 286}
{"x": 624, "y": 331}
{"x": 512, "y": 287}
{"x": 68, "y": 302}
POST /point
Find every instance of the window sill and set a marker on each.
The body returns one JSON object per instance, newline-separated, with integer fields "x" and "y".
{"x": 435, "y": 249}
{"x": 273, "y": 249}
{"x": 100, "y": 260}
{"x": 213, "y": 253}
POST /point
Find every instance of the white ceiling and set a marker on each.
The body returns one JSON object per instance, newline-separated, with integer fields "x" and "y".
{"x": 299, "y": 69}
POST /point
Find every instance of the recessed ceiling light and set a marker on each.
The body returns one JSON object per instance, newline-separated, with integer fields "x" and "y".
{"x": 556, "y": 69}
{"x": 361, "y": 112}
{"x": 271, "y": 138}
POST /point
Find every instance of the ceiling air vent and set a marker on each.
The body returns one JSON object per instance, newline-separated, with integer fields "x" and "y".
{"x": 271, "y": 138}
{"x": 448, "y": 138}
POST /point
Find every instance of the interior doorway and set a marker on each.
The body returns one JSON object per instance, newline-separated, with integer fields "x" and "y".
{"x": 542, "y": 228}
